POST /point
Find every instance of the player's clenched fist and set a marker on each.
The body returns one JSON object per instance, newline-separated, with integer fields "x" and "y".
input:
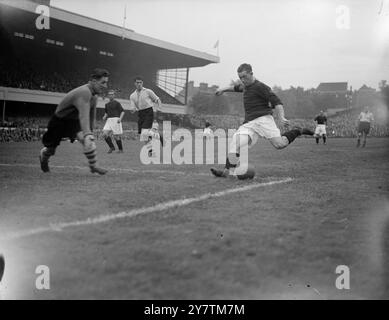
{"x": 89, "y": 143}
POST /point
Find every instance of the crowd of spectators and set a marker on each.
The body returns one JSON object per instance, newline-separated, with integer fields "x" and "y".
{"x": 343, "y": 125}
{"x": 23, "y": 75}
{"x": 22, "y": 129}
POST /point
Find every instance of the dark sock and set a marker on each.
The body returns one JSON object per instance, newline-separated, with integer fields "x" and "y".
{"x": 108, "y": 140}
{"x": 292, "y": 134}
{"x": 119, "y": 143}
{"x": 229, "y": 164}
{"x": 324, "y": 139}
{"x": 317, "y": 140}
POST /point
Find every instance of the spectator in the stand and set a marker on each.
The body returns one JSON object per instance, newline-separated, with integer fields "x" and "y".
{"x": 42, "y": 86}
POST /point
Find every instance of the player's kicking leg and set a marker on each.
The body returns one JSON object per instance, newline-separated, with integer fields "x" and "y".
{"x": 245, "y": 136}
{"x": 288, "y": 137}
{"x": 237, "y": 158}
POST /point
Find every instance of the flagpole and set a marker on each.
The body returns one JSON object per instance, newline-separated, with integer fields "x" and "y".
{"x": 216, "y": 46}
{"x": 124, "y": 21}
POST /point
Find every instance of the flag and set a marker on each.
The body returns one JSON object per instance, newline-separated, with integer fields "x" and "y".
{"x": 216, "y": 44}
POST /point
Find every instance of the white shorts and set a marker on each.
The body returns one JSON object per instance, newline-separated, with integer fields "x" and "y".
{"x": 320, "y": 130}
{"x": 145, "y": 134}
{"x": 207, "y": 133}
{"x": 264, "y": 127}
{"x": 113, "y": 125}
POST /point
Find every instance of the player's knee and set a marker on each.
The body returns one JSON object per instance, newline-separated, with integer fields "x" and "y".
{"x": 50, "y": 151}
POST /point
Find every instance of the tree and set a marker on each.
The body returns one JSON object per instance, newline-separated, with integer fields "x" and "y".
{"x": 206, "y": 103}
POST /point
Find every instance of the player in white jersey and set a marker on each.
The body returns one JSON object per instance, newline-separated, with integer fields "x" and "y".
{"x": 147, "y": 104}
{"x": 208, "y": 133}
{"x": 365, "y": 119}
{"x": 153, "y": 135}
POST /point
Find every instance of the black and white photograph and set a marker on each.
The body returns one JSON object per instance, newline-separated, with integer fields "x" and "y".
{"x": 194, "y": 150}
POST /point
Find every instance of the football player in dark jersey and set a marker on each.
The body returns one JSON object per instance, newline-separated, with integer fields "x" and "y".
{"x": 74, "y": 119}
{"x": 114, "y": 114}
{"x": 320, "y": 131}
{"x": 259, "y": 102}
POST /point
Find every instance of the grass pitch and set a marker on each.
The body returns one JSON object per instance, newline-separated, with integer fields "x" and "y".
{"x": 281, "y": 241}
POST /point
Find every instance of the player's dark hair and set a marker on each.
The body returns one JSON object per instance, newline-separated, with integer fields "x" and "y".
{"x": 207, "y": 124}
{"x": 138, "y": 78}
{"x": 245, "y": 67}
{"x": 98, "y": 73}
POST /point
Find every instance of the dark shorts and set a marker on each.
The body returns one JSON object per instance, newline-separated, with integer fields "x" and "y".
{"x": 364, "y": 127}
{"x": 145, "y": 119}
{"x": 59, "y": 128}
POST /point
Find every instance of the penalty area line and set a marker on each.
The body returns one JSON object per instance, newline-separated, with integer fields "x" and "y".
{"x": 57, "y": 227}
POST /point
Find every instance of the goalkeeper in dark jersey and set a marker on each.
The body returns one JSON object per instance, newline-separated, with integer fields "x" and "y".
{"x": 259, "y": 102}
{"x": 74, "y": 119}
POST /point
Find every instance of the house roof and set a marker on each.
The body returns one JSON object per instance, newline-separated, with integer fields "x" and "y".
{"x": 332, "y": 86}
{"x": 365, "y": 87}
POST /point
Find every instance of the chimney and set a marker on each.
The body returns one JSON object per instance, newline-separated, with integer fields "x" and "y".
{"x": 203, "y": 86}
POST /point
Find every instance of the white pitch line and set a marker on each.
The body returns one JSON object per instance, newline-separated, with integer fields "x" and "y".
{"x": 135, "y": 212}
{"x": 25, "y": 165}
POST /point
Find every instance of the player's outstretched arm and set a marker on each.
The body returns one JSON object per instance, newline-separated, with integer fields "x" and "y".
{"x": 225, "y": 89}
